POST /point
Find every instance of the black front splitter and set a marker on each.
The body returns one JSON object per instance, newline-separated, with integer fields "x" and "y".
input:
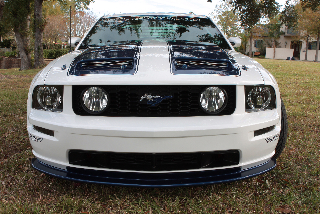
{"x": 171, "y": 179}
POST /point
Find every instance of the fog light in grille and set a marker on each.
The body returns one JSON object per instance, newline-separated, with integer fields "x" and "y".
{"x": 213, "y": 100}
{"x": 95, "y": 100}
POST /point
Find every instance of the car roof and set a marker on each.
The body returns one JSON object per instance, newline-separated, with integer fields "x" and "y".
{"x": 189, "y": 15}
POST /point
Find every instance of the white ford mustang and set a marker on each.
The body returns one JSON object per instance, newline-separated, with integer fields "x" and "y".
{"x": 155, "y": 100}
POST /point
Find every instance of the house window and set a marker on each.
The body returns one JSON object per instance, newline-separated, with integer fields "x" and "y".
{"x": 313, "y": 46}
{"x": 258, "y": 43}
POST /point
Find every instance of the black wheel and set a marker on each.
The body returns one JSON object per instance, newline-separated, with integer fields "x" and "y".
{"x": 283, "y": 133}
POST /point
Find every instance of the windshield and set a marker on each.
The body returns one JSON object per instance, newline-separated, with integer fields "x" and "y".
{"x": 151, "y": 30}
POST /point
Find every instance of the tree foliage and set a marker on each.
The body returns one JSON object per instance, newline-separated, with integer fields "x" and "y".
{"x": 228, "y": 19}
{"x": 55, "y": 30}
{"x": 57, "y": 16}
{"x": 273, "y": 32}
{"x": 304, "y": 17}
{"x": 16, "y": 12}
{"x": 77, "y": 4}
{"x": 289, "y": 15}
{"x": 293, "y": 10}
{"x": 81, "y": 22}
{"x": 39, "y": 23}
{"x": 309, "y": 24}
{"x": 273, "y": 29}
{"x": 311, "y": 4}
{"x": 57, "y": 26}
{"x": 16, "y": 16}
{"x": 251, "y": 11}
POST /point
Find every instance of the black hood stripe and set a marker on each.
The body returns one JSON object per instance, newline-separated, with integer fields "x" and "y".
{"x": 184, "y": 58}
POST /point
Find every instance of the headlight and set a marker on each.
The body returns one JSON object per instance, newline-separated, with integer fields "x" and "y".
{"x": 95, "y": 100}
{"x": 48, "y": 98}
{"x": 213, "y": 100}
{"x": 260, "y": 98}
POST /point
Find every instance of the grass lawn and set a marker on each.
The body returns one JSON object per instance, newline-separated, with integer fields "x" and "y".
{"x": 292, "y": 187}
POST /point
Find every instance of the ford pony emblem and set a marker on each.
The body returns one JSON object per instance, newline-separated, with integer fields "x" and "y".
{"x": 154, "y": 100}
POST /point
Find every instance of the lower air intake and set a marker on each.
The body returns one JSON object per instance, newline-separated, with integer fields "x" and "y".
{"x": 154, "y": 161}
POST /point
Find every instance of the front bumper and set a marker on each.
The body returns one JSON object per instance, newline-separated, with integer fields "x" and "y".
{"x": 154, "y": 179}
{"x": 153, "y": 135}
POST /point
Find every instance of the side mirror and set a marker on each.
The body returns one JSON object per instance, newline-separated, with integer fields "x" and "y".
{"x": 235, "y": 41}
{"x": 74, "y": 41}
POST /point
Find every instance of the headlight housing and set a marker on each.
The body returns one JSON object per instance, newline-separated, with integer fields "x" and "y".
{"x": 48, "y": 98}
{"x": 213, "y": 100}
{"x": 260, "y": 98}
{"x": 95, "y": 100}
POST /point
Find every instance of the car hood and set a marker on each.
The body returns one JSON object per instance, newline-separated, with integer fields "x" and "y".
{"x": 154, "y": 64}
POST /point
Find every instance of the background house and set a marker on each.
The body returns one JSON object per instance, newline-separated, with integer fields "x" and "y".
{"x": 288, "y": 45}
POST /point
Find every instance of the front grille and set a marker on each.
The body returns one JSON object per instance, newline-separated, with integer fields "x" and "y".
{"x": 154, "y": 161}
{"x": 126, "y": 100}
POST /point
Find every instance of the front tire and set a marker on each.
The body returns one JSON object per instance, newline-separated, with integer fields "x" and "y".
{"x": 283, "y": 133}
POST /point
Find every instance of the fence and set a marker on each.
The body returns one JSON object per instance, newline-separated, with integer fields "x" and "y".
{"x": 281, "y": 53}
{"x": 6, "y": 63}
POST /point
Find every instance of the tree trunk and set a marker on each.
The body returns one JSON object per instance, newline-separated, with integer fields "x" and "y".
{"x": 23, "y": 45}
{"x": 38, "y": 34}
{"x": 317, "y": 50}
{"x": 250, "y": 43}
{"x": 274, "y": 49}
{"x": 306, "y": 57}
{"x": 1, "y": 8}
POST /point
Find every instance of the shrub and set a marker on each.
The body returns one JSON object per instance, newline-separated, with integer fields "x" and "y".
{"x": 10, "y": 54}
{"x": 54, "y": 53}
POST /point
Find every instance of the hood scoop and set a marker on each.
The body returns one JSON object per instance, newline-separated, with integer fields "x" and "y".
{"x": 203, "y": 66}
{"x": 201, "y": 58}
{"x": 108, "y": 60}
{"x": 105, "y": 66}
